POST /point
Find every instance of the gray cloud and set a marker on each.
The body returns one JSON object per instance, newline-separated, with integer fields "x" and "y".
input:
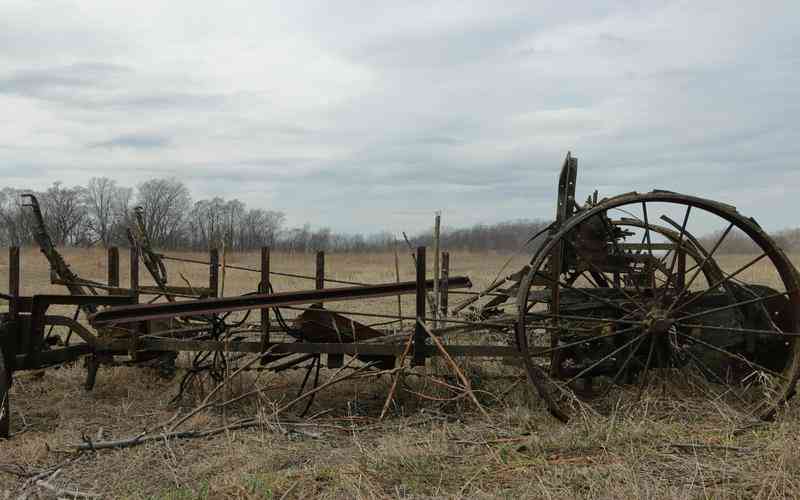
{"x": 134, "y": 141}
{"x": 365, "y": 117}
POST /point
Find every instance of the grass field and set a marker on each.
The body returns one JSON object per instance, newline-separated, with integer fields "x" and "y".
{"x": 655, "y": 448}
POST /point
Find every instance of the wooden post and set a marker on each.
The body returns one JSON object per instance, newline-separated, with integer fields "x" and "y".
{"x": 13, "y": 279}
{"x": 113, "y": 267}
{"x": 419, "y": 331}
{"x": 436, "y": 297}
{"x": 213, "y": 272}
{"x": 320, "y": 272}
{"x": 265, "y": 288}
{"x": 134, "y": 280}
{"x": 444, "y": 285}
{"x": 331, "y": 360}
{"x": 397, "y": 280}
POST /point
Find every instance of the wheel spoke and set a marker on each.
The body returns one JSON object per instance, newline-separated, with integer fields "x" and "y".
{"x": 633, "y": 299}
{"x": 584, "y": 292}
{"x": 708, "y": 371}
{"x": 586, "y": 318}
{"x": 720, "y": 282}
{"x": 646, "y": 370}
{"x": 549, "y": 350}
{"x": 700, "y": 267}
{"x": 675, "y": 254}
{"x": 624, "y": 365}
{"x": 731, "y": 306}
{"x": 647, "y": 231}
{"x": 753, "y": 331}
{"x": 731, "y": 355}
{"x": 596, "y": 363}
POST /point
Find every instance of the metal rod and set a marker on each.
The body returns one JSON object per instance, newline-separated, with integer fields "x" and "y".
{"x": 143, "y": 312}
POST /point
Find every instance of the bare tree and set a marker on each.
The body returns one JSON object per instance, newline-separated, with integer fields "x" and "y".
{"x": 108, "y": 208}
{"x": 14, "y": 226}
{"x": 166, "y": 204}
{"x": 66, "y": 214}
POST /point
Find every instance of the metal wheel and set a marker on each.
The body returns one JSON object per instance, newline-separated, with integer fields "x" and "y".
{"x": 603, "y": 306}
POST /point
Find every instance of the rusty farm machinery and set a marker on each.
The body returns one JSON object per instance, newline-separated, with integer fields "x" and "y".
{"x": 620, "y": 295}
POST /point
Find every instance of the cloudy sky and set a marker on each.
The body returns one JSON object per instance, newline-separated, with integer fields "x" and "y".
{"x": 365, "y": 116}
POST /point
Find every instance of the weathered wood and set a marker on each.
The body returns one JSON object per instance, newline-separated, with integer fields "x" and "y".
{"x": 444, "y": 285}
{"x": 419, "y": 332}
{"x": 113, "y": 267}
{"x": 436, "y": 275}
{"x": 264, "y": 288}
{"x": 13, "y": 278}
{"x": 213, "y": 272}
{"x": 134, "y": 268}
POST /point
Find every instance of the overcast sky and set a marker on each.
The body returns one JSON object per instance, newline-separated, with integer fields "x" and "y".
{"x": 365, "y": 116}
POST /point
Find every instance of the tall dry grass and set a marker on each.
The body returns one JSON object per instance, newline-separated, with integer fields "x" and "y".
{"x": 659, "y": 447}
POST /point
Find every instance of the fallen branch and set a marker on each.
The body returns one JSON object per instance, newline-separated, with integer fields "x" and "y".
{"x": 454, "y": 366}
{"x": 409, "y": 342}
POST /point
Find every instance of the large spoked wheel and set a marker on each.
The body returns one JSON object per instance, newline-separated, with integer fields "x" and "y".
{"x": 604, "y": 309}
{"x": 5, "y": 402}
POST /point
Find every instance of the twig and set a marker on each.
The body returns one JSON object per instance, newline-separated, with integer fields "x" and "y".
{"x": 390, "y": 396}
{"x": 286, "y": 493}
{"x": 454, "y": 366}
{"x": 329, "y": 383}
{"x": 205, "y": 404}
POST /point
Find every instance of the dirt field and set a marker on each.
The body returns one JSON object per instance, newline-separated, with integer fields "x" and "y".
{"x": 654, "y": 448}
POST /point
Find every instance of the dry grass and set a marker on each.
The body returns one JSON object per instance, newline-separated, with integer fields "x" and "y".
{"x": 655, "y": 448}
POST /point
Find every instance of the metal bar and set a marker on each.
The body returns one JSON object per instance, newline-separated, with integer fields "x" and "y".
{"x": 141, "y": 312}
{"x": 419, "y": 332}
{"x": 113, "y": 267}
{"x": 350, "y": 349}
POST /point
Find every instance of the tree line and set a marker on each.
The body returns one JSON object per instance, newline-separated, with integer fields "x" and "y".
{"x": 100, "y": 213}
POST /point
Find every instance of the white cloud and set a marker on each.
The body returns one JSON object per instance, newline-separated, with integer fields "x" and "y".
{"x": 355, "y": 115}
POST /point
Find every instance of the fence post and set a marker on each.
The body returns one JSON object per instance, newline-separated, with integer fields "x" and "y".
{"x": 265, "y": 288}
{"x": 444, "y": 285}
{"x": 213, "y": 272}
{"x": 419, "y": 331}
{"x": 113, "y": 267}
{"x": 13, "y": 280}
{"x": 331, "y": 360}
{"x": 134, "y": 257}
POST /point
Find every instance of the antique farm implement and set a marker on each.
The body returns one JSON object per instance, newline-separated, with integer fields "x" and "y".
{"x": 620, "y": 295}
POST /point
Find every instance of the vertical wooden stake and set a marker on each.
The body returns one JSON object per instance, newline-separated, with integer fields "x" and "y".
{"x": 397, "y": 279}
{"x": 419, "y": 330}
{"x": 13, "y": 279}
{"x": 113, "y": 267}
{"x": 213, "y": 272}
{"x": 444, "y": 285}
{"x": 265, "y": 288}
{"x": 435, "y": 305}
{"x": 134, "y": 273}
{"x": 222, "y": 277}
{"x": 320, "y": 271}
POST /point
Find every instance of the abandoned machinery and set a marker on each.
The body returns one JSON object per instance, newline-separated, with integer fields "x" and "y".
{"x": 619, "y": 295}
